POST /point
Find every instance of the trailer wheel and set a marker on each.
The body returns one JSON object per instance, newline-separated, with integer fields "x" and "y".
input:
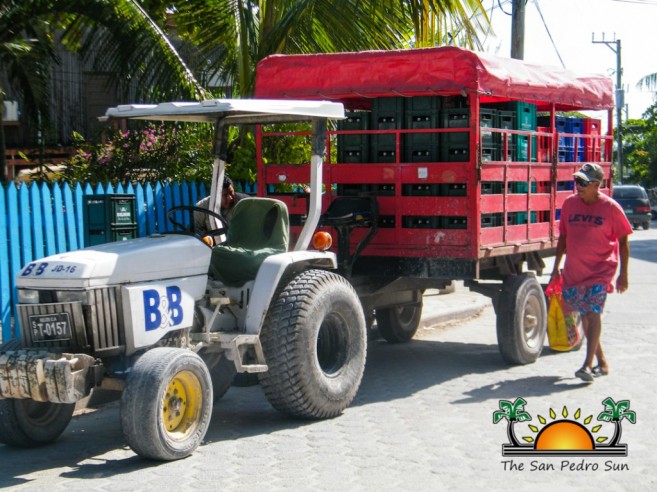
{"x": 400, "y": 323}
{"x": 167, "y": 404}
{"x": 27, "y": 423}
{"x": 314, "y": 341}
{"x": 521, "y": 319}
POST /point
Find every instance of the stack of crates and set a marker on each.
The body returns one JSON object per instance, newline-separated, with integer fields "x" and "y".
{"x": 574, "y": 126}
{"x": 455, "y": 145}
{"x": 565, "y": 148}
{"x": 421, "y": 113}
{"x": 507, "y": 121}
{"x": 592, "y": 146}
{"x": 525, "y": 120}
{"x": 387, "y": 114}
{"x": 489, "y": 140}
{"x": 354, "y": 148}
{"x": 109, "y": 218}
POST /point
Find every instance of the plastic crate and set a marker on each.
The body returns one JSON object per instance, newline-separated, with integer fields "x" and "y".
{"x": 592, "y": 146}
{"x": 104, "y": 214}
{"x": 387, "y": 114}
{"x": 354, "y": 148}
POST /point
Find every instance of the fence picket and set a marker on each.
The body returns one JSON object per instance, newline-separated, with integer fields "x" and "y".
{"x": 69, "y": 213}
{"x": 48, "y": 222}
{"x": 5, "y": 272}
{"x": 25, "y": 226}
{"x": 58, "y": 212}
{"x": 37, "y": 221}
{"x": 14, "y": 245}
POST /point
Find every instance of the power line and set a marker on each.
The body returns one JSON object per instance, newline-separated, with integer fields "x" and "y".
{"x": 549, "y": 33}
{"x": 639, "y": 2}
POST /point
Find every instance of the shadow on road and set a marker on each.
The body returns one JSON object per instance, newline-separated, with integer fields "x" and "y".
{"x": 393, "y": 371}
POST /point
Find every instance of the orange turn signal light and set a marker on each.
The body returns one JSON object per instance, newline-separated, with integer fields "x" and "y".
{"x": 322, "y": 241}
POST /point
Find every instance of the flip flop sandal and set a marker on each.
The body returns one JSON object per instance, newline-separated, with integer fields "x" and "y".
{"x": 599, "y": 371}
{"x": 585, "y": 374}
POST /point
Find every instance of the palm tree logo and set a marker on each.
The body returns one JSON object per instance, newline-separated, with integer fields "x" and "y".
{"x": 615, "y": 412}
{"x": 566, "y": 436}
{"x": 512, "y": 412}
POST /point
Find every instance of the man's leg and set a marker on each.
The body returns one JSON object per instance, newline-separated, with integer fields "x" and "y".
{"x": 592, "y": 324}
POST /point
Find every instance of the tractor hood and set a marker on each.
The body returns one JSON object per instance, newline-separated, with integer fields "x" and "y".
{"x": 151, "y": 258}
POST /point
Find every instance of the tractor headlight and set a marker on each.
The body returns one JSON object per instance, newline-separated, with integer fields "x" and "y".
{"x": 28, "y": 296}
{"x": 71, "y": 296}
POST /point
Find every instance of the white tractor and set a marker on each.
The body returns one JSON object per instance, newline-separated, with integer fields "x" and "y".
{"x": 170, "y": 320}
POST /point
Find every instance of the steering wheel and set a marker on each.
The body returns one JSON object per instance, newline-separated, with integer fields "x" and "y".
{"x": 192, "y": 229}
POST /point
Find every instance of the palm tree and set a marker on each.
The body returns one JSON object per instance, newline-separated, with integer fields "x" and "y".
{"x": 234, "y": 35}
{"x": 117, "y": 36}
{"x": 513, "y": 412}
{"x": 615, "y": 412}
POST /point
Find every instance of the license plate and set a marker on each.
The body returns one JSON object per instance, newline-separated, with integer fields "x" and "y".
{"x": 628, "y": 210}
{"x": 50, "y": 327}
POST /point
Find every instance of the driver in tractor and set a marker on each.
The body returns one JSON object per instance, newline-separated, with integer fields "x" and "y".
{"x": 229, "y": 198}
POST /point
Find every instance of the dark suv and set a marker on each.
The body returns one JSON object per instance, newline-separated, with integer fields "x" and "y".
{"x": 635, "y": 203}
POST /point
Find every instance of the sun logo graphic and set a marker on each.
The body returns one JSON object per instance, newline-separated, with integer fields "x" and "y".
{"x": 564, "y": 435}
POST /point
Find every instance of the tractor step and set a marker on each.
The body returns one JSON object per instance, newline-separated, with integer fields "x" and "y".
{"x": 245, "y": 350}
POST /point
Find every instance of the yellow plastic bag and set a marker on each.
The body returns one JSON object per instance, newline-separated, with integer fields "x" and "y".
{"x": 564, "y": 324}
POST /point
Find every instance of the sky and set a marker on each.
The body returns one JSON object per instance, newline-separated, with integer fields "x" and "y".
{"x": 572, "y": 25}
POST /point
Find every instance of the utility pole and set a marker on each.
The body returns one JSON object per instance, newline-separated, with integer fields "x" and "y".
{"x": 518, "y": 29}
{"x": 615, "y": 46}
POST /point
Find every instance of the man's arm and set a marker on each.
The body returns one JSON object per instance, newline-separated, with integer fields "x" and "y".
{"x": 622, "y": 282}
{"x": 561, "y": 249}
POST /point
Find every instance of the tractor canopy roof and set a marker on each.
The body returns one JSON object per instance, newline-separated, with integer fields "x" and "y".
{"x": 358, "y": 77}
{"x": 234, "y": 111}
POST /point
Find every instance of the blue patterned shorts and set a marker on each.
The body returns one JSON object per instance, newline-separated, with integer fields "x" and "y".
{"x": 588, "y": 299}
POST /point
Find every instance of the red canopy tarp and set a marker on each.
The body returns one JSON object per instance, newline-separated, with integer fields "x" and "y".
{"x": 430, "y": 71}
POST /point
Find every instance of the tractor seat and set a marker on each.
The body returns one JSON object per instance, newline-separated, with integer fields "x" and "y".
{"x": 258, "y": 228}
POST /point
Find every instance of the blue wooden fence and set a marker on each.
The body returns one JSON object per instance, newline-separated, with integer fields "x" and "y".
{"x": 41, "y": 219}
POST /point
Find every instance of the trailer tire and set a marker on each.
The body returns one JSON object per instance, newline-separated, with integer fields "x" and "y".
{"x": 400, "y": 323}
{"x": 314, "y": 341}
{"x": 521, "y": 319}
{"x": 26, "y": 423}
{"x": 167, "y": 404}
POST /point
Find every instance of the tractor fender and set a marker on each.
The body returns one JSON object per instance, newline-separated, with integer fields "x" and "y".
{"x": 269, "y": 276}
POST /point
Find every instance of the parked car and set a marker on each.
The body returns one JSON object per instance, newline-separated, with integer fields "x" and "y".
{"x": 635, "y": 203}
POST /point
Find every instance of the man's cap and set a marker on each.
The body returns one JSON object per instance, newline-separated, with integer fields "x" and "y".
{"x": 590, "y": 172}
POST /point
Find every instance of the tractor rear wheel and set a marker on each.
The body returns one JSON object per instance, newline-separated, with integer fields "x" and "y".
{"x": 315, "y": 343}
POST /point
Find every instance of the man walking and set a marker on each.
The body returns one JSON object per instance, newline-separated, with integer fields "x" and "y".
{"x": 593, "y": 233}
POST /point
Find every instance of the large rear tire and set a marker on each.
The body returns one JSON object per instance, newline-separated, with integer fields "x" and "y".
{"x": 521, "y": 319}
{"x": 400, "y": 323}
{"x": 314, "y": 341}
{"x": 28, "y": 423}
{"x": 167, "y": 404}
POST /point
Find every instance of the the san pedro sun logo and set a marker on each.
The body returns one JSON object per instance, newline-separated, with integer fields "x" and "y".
{"x": 565, "y": 435}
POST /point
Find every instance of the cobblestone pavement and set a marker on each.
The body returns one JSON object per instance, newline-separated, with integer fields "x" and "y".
{"x": 422, "y": 420}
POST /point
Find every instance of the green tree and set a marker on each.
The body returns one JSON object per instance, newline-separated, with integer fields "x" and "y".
{"x": 615, "y": 412}
{"x": 118, "y": 36}
{"x": 234, "y": 35}
{"x": 512, "y": 412}
{"x": 640, "y": 148}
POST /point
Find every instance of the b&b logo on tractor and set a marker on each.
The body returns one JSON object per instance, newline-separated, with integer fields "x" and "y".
{"x": 162, "y": 312}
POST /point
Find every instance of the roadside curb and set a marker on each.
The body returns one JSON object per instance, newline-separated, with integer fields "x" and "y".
{"x": 459, "y": 305}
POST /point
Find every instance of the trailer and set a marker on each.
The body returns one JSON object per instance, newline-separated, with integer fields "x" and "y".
{"x": 451, "y": 164}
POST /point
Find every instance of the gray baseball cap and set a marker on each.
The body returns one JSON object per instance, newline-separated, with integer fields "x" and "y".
{"x": 590, "y": 172}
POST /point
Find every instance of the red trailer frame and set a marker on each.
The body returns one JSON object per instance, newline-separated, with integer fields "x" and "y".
{"x": 463, "y": 185}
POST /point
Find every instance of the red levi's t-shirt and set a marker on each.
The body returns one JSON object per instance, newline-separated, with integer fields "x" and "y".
{"x": 592, "y": 232}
